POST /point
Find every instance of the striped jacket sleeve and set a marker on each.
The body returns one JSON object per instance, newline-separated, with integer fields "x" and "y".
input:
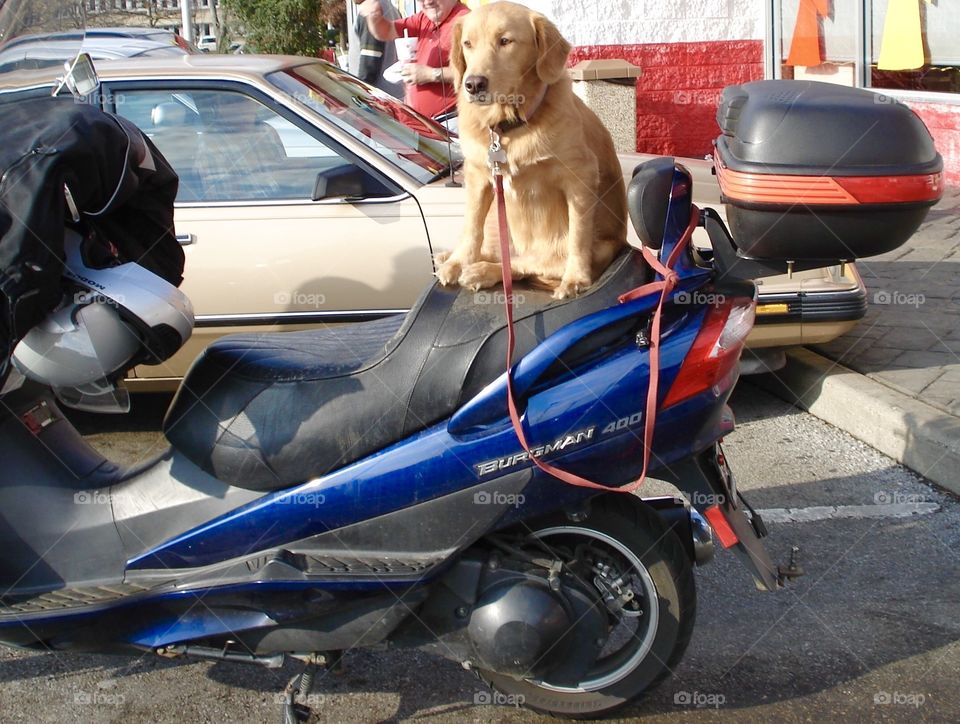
{"x": 371, "y": 53}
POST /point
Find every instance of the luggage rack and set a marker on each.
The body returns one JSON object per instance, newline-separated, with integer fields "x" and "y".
{"x": 731, "y": 264}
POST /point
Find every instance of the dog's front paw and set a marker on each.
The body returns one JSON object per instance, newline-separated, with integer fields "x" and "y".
{"x": 449, "y": 272}
{"x": 570, "y": 287}
{"x": 480, "y": 275}
{"x": 441, "y": 256}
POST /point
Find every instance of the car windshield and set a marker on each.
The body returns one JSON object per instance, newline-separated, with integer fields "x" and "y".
{"x": 413, "y": 142}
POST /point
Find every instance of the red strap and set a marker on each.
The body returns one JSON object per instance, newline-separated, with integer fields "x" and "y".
{"x": 664, "y": 287}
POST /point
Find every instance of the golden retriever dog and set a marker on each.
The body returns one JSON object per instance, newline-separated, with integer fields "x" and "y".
{"x": 563, "y": 186}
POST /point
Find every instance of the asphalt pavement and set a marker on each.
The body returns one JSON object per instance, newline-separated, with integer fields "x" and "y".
{"x": 872, "y": 632}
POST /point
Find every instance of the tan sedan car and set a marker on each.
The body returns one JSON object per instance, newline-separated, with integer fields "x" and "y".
{"x": 308, "y": 198}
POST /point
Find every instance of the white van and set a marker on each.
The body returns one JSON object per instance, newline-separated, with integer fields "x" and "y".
{"x": 207, "y": 43}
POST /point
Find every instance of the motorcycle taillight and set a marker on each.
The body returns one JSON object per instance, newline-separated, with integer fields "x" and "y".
{"x": 716, "y": 350}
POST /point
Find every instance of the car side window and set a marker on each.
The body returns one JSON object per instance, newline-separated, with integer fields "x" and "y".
{"x": 227, "y": 146}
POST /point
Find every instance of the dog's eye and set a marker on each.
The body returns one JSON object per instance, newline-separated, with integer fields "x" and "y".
{"x": 467, "y": 44}
{"x": 505, "y": 41}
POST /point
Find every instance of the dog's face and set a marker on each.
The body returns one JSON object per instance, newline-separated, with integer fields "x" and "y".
{"x": 503, "y": 54}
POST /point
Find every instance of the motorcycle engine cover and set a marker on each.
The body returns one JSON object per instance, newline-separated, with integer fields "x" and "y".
{"x": 520, "y": 627}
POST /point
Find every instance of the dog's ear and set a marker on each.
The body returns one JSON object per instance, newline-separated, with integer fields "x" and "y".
{"x": 552, "y": 50}
{"x": 457, "y": 61}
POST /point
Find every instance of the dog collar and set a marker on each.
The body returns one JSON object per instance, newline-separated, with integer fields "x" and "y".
{"x": 507, "y": 126}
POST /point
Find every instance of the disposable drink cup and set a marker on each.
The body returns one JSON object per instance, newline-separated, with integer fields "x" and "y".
{"x": 406, "y": 49}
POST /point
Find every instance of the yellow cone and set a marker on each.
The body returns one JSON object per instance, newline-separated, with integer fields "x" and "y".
{"x": 902, "y": 44}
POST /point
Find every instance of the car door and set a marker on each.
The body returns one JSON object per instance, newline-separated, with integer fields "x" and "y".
{"x": 268, "y": 248}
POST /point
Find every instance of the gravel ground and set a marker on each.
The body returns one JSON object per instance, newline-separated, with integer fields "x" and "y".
{"x": 871, "y": 632}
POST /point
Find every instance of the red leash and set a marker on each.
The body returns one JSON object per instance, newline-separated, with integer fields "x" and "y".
{"x": 664, "y": 287}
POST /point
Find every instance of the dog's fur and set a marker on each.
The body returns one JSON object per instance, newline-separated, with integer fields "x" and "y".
{"x": 564, "y": 192}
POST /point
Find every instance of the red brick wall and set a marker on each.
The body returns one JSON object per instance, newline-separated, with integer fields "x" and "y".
{"x": 943, "y": 120}
{"x": 677, "y": 94}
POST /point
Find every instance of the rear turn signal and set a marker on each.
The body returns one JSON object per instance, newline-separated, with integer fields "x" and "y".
{"x": 716, "y": 350}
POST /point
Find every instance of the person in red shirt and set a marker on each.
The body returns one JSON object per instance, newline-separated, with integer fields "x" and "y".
{"x": 429, "y": 78}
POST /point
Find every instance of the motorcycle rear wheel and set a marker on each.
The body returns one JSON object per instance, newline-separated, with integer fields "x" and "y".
{"x": 661, "y": 572}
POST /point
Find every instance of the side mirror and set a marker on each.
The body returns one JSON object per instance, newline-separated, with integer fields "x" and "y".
{"x": 81, "y": 77}
{"x": 346, "y": 182}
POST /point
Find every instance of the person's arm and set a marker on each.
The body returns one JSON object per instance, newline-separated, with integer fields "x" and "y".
{"x": 381, "y": 28}
{"x": 420, "y": 74}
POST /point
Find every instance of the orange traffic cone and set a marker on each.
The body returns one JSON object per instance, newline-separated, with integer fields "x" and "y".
{"x": 805, "y": 46}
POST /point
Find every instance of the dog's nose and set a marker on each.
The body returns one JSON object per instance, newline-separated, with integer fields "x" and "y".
{"x": 475, "y": 84}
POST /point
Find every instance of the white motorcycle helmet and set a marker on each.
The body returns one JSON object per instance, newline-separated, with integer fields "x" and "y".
{"x": 124, "y": 315}
{"x": 79, "y": 343}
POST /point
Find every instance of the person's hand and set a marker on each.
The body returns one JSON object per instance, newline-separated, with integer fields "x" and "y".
{"x": 370, "y": 9}
{"x": 415, "y": 74}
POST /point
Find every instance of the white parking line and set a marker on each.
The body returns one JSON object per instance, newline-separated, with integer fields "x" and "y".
{"x": 830, "y": 512}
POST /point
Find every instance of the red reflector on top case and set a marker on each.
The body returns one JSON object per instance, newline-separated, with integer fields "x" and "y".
{"x": 893, "y": 189}
{"x": 721, "y": 527}
{"x": 760, "y": 188}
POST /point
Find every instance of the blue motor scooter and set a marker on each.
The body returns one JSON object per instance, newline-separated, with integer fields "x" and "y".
{"x": 331, "y": 489}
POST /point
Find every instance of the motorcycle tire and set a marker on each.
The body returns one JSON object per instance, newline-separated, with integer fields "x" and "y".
{"x": 659, "y": 558}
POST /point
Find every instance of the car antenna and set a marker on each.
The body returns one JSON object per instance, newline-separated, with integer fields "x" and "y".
{"x": 452, "y": 181}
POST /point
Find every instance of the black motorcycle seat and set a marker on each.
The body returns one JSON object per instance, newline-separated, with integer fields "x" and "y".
{"x": 269, "y": 411}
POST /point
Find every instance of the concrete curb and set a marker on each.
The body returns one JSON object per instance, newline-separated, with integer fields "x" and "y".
{"x": 921, "y": 437}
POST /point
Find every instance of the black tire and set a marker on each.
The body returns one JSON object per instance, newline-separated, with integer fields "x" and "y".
{"x": 638, "y": 528}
